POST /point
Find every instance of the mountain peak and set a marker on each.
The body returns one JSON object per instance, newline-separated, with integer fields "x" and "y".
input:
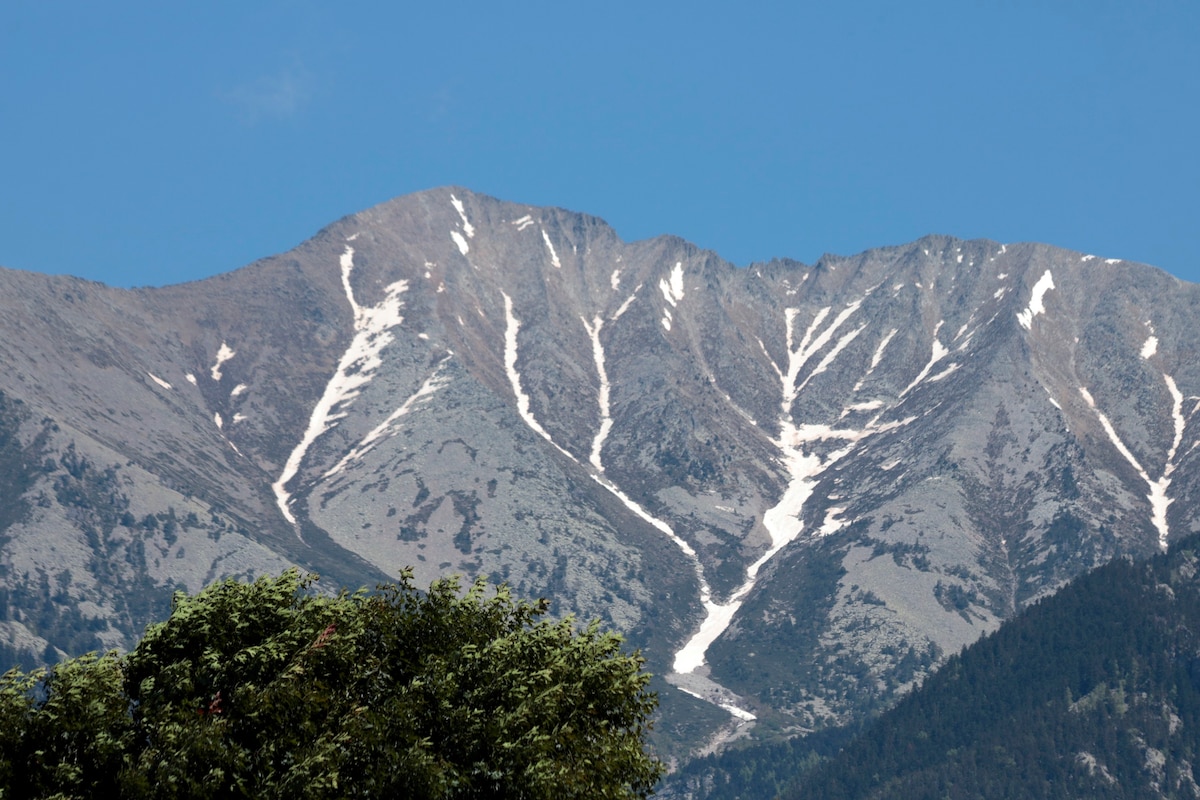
{"x": 795, "y": 487}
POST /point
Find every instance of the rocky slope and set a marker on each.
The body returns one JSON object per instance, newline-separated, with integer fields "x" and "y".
{"x": 795, "y": 487}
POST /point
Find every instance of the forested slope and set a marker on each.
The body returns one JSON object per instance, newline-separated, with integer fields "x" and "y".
{"x": 1093, "y": 692}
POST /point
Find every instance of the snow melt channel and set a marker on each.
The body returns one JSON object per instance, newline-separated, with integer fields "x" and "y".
{"x": 355, "y": 369}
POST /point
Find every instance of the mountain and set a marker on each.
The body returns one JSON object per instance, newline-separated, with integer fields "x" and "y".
{"x": 1094, "y": 692}
{"x": 797, "y": 488}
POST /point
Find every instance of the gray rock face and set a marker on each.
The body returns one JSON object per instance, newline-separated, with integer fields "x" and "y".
{"x": 795, "y": 487}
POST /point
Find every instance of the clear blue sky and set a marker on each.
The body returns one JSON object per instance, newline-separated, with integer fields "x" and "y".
{"x": 156, "y": 142}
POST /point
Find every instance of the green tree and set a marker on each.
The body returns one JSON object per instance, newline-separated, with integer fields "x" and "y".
{"x": 269, "y": 690}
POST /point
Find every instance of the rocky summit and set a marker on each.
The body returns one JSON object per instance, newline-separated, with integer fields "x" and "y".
{"x": 796, "y": 487}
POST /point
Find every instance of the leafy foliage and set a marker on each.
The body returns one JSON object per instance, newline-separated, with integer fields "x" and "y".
{"x": 268, "y": 690}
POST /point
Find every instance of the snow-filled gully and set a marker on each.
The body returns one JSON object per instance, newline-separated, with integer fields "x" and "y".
{"x": 784, "y": 521}
{"x": 355, "y": 369}
{"x": 1158, "y": 497}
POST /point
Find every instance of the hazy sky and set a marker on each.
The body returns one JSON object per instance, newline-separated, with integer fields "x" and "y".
{"x": 157, "y": 142}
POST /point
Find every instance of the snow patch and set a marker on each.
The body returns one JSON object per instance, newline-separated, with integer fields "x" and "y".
{"x": 614, "y": 280}
{"x": 159, "y": 380}
{"x": 523, "y": 223}
{"x": 239, "y": 389}
{"x": 217, "y": 419}
{"x": 833, "y": 521}
{"x": 223, "y": 355}
{"x": 740, "y": 713}
{"x": 1043, "y": 285}
{"x": 463, "y": 247}
{"x": 1150, "y": 347}
{"x": 191, "y": 379}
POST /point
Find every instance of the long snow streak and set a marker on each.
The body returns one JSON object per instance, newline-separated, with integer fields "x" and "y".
{"x": 511, "y": 328}
{"x": 876, "y": 358}
{"x": 159, "y": 380}
{"x": 1159, "y": 500}
{"x": 355, "y": 369}
{"x": 550, "y": 246}
{"x": 940, "y": 351}
{"x": 468, "y": 228}
{"x": 809, "y": 346}
{"x": 628, "y": 302}
{"x": 784, "y": 522}
{"x": 430, "y": 387}
{"x": 1043, "y": 285}
{"x": 831, "y": 355}
{"x": 606, "y": 422}
{"x": 672, "y": 288}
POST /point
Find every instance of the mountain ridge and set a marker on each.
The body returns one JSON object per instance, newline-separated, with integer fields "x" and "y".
{"x": 849, "y": 469}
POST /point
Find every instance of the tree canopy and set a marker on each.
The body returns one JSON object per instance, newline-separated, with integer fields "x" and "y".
{"x": 267, "y": 689}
